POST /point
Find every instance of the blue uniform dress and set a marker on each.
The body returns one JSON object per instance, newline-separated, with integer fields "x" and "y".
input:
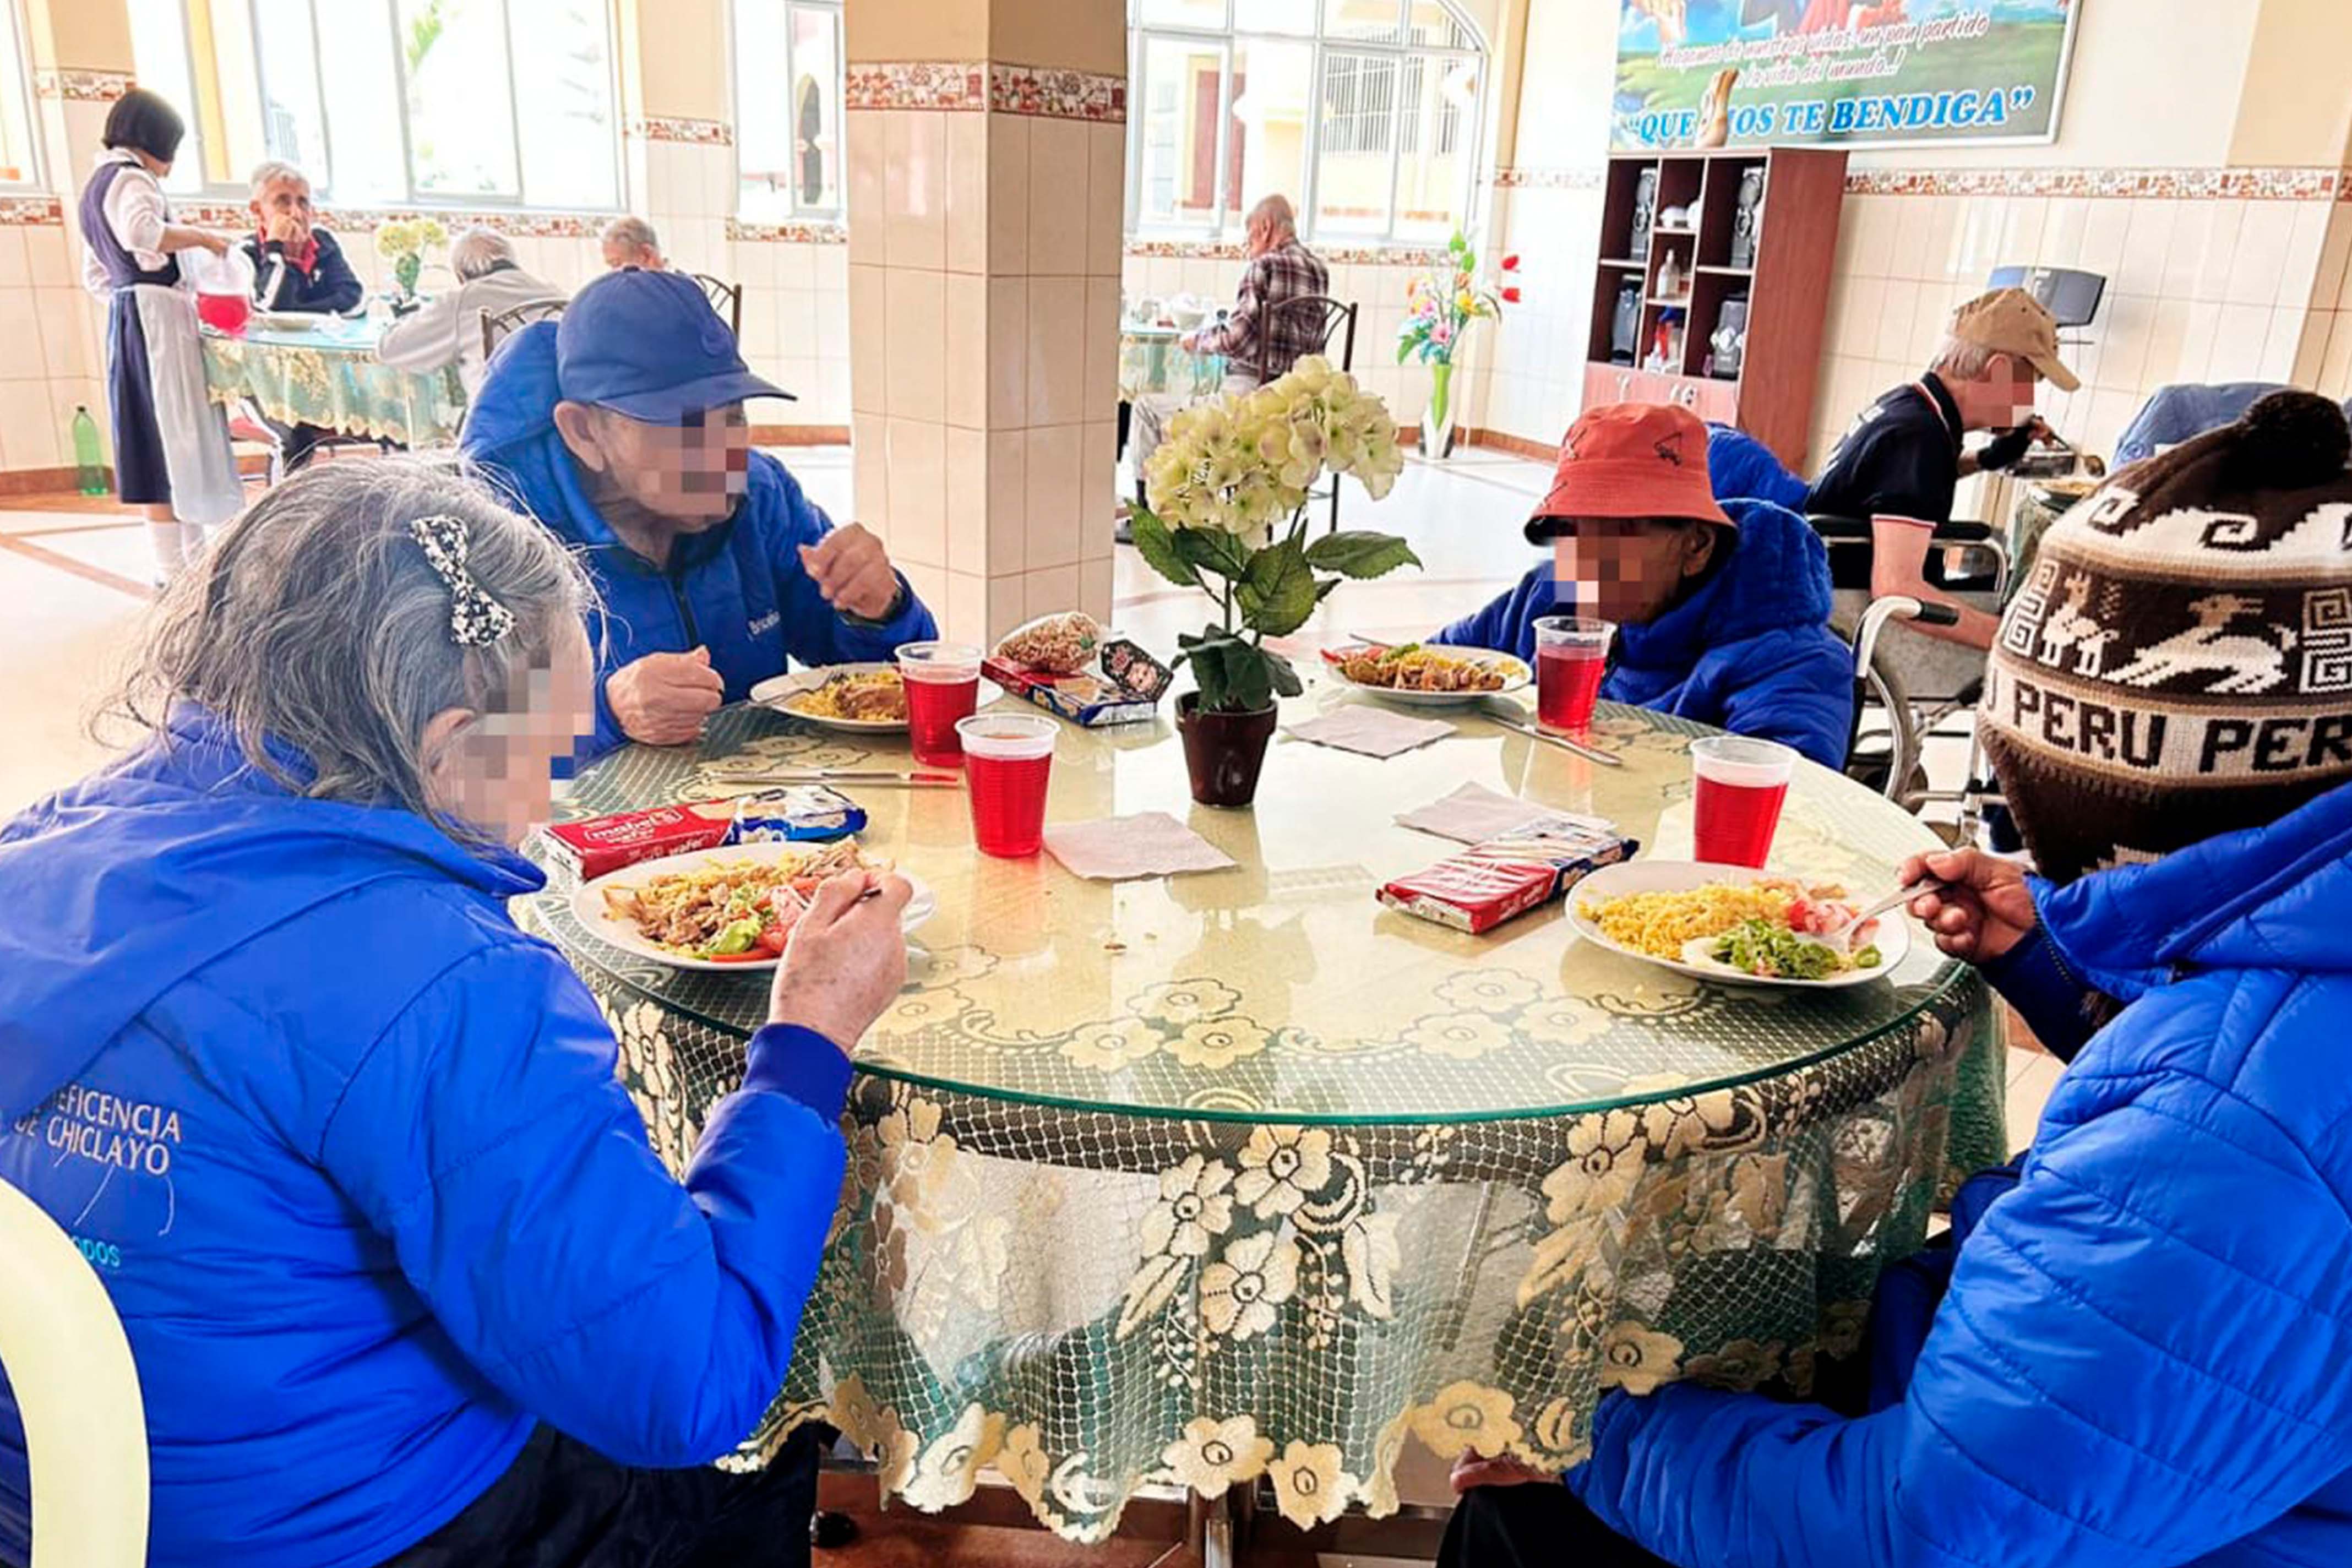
{"x": 739, "y": 590}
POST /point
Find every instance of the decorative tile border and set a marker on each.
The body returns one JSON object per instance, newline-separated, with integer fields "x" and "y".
{"x": 973, "y": 86}
{"x": 1334, "y": 256}
{"x": 2273, "y": 185}
{"x": 701, "y": 133}
{"x": 366, "y": 220}
{"x": 82, "y": 86}
{"x": 1548, "y": 179}
{"x": 788, "y": 233}
{"x": 21, "y": 211}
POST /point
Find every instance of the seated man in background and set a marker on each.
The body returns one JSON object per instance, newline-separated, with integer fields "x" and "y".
{"x": 1260, "y": 338}
{"x": 622, "y": 428}
{"x": 1900, "y": 465}
{"x": 1722, "y": 609}
{"x": 296, "y": 266}
{"x": 2175, "y": 414}
{"x": 632, "y": 242}
{"x": 446, "y": 330}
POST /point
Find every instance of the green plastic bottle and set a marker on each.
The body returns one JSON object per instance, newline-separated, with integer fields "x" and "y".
{"x": 88, "y": 461}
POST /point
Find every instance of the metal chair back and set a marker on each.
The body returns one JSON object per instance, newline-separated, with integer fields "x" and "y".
{"x": 1335, "y": 322}
{"x": 499, "y": 326}
{"x": 725, "y": 297}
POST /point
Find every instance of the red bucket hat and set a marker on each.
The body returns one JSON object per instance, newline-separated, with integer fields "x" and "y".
{"x": 1629, "y": 459}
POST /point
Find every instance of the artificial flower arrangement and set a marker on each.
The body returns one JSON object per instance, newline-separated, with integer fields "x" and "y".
{"x": 1444, "y": 302}
{"x": 1228, "y": 491}
{"x": 404, "y": 241}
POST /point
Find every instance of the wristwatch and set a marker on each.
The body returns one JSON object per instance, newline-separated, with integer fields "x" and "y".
{"x": 897, "y": 607}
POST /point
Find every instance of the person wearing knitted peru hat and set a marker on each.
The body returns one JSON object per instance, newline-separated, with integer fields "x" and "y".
{"x": 2132, "y": 1348}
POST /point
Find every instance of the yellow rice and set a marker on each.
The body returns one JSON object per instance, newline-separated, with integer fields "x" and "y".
{"x": 1659, "y": 924}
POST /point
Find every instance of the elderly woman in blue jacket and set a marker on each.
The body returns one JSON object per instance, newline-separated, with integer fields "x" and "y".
{"x": 403, "y": 1277}
{"x": 1722, "y": 609}
{"x": 622, "y": 428}
{"x": 2133, "y": 1355}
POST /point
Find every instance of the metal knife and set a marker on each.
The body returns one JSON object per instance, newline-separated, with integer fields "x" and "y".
{"x": 1590, "y": 754}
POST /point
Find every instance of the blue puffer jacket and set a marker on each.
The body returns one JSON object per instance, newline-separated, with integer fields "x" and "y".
{"x": 1741, "y": 468}
{"x": 1751, "y": 651}
{"x": 2141, "y": 1359}
{"x": 738, "y": 590}
{"x": 348, "y": 1151}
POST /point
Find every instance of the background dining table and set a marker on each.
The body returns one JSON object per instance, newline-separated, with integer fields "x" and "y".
{"x": 1151, "y": 360}
{"x": 1240, "y": 1175}
{"x": 328, "y": 376}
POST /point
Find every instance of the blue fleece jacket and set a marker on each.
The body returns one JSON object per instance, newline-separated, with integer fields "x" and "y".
{"x": 738, "y": 589}
{"x": 348, "y": 1152}
{"x": 1741, "y": 468}
{"x": 2140, "y": 1360}
{"x": 1750, "y": 650}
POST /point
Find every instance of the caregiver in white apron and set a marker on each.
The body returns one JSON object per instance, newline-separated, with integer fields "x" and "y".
{"x": 171, "y": 456}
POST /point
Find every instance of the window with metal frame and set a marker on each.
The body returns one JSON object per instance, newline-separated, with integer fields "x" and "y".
{"x": 20, "y": 156}
{"x": 1364, "y": 112}
{"x": 458, "y": 103}
{"x": 788, "y": 110}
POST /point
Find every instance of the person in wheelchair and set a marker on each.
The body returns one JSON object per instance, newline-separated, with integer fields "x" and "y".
{"x": 1898, "y": 468}
{"x": 1722, "y": 609}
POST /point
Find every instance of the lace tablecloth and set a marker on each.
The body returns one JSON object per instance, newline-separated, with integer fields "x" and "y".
{"x": 329, "y": 377}
{"x": 1238, "y": 1173}
{"x": 1151, "y": 361}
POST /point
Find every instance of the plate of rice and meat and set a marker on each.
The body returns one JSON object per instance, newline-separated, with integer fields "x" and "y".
{"x": 1421, "y": 676}
{"x": 867, "y": 698}
{"x": 1732, "y": 925}
{"x": 726, "y": 909}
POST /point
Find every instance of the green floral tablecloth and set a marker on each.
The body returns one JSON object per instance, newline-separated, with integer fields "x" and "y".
{"x": 329, "y": 377}
{"x": 1149, "y": 361}
{"x": 1242, "y": 1175}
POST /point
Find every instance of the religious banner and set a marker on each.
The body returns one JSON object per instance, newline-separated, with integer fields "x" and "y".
{"x": 1839, "y": 73}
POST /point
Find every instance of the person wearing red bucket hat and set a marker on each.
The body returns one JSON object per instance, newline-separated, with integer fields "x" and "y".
{"x": 1722, "y": 607}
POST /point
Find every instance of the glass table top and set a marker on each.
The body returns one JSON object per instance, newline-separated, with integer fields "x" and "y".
{"x": 1282, "y": 990}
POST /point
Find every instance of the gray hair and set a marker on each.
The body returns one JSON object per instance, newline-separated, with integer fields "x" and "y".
{"x": 266, "y": 174}
{"x": 1960, "y": 360}
{"x": 478, "y": 250}
{"x": 632, "y": 233}
{"x": 316, "y": 622}
{"x": 1276, "y": 213}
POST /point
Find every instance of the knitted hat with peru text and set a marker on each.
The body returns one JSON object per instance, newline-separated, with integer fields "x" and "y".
{"x": 2178, "y": 663}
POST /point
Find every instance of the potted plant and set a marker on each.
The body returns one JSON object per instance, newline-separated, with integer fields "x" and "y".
{"x": 403, "y": 242}
{"x": 1444, "y": 302}
{"x": 1227, "y": 514}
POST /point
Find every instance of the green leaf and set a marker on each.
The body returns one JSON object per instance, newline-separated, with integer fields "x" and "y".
{"x": 1278, "y": 594}
{"x": 1158, "y": 544}
{"x": 1211, "y": 550}
{"x": 1404, "y": 349}
{"x": 1249, "y": 683}
{"x": 1354, "y": 553}
{"x": 1286, "y": 676}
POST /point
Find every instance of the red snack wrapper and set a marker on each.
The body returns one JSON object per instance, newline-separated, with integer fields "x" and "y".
{"x": 1489, "y": 883}
{"x": 588, "y": 850}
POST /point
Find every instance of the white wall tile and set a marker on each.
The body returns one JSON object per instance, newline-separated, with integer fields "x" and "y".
{"x": 16, "y": 270}
{"x": 1049, "y": 592}
{"x": 918, "y": 490}
{"x": 1097, "y": 488}
{"x": 1099, "y": 399}
{"x": 2148, "y": 241}
{"x": 966, "y": 348}
{"x": 968, "y": 482}
{"x": 915, "y": 304}
{"x": 2298, "y": 283}
{"x": 868, "y": 208}
{"x": 30, "y": 436}
{"x": 63, "y": 347}
{"x": 914, "y": 184}
{"x": 1008, "y": 194}
{"x": 45, "y": 257}
{"x": 2279, "y": 348}
{"x": 2216, "y": 258}
{"x": 2237, "y": 344}
{"x": 2167, "y": 335}
{"x": 2025, "y": 222}
{"x": 869, "y": 340}
{"x": 832, "y": 267}
{"x": 795, "y": 312}
{"x": 967, "y": 193}
{"x": 2265, "y": 229}
{"x": 2127, "y": 326}
{"x": 1008, "y": 353}
{"x": 1053, "y": 520}
{"x": 1058, "y": 198}
{"x": 869, "y": 452}
{"x": 20, "y": 337}
{"x": 2198, "y": 339}
{"x": 2062, "y": 236}
{"x": 1056, "y": 351}
{"x": 1007, "y": 501}
{"x": 2106, "y": 229}
{"x": 795, "y": 265}
{"x": 1105, "y": 198}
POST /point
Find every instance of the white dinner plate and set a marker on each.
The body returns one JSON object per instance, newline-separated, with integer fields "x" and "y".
{"x": 1514, "y": 672}
{"x": 588, "y": 901}
{"x": 778, "y": 691}
{"x": 294, "y": 320}
{"x": 1894, "y": 939}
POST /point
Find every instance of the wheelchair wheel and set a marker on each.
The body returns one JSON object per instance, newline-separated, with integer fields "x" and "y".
{"x": 1887, "y": 755}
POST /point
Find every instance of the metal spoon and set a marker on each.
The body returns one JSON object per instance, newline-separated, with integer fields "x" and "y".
{"x": 1843, "y": 937}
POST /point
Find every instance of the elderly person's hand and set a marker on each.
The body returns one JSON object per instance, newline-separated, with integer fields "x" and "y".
{"x": 1984, "y": 908}
{"x": 217, "y": 244}
{"x": 663, "y": 698}
{"x": 285, "y": 228}
{"x": 1473, "y": 1469}
{"x": 853, "y": 572}
{"x": 1189, "y": 342}
{"x": 847, "y": 958}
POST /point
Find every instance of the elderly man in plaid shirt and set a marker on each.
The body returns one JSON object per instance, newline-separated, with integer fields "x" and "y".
{"x": 1260, "y": 339}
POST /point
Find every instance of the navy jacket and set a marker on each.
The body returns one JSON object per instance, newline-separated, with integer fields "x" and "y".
{"x": 2140, "y": 1361}
{"x": 1749, "y": 651}
{"x": 330, "y": 286}
{"x": 739, "y": 590}
{"x": 348, "y": 1151}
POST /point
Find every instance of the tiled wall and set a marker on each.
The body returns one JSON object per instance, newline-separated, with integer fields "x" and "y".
{"x": 1534, "y": 382}
{"x": 50, "y": 349}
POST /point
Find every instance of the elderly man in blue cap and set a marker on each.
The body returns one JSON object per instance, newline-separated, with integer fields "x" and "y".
{"x": 622, "y": 428}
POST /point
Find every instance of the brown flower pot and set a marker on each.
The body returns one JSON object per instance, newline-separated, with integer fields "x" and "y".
{"x": 1223, "y": 751}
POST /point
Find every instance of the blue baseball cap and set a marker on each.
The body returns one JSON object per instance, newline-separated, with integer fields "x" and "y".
{"x": 650, "y": 346}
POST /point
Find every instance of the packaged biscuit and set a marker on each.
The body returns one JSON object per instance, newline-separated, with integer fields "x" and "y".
{"x": 1069, "y": 665}
{"x": 590, "y": 848}
{"x": 1487, "y": 884}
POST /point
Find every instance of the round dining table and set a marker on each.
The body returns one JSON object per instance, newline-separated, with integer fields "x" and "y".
{"x": 328, "y": 376}
{"x": 1238, "y": 1175}
{"x": 1154, "y": 360}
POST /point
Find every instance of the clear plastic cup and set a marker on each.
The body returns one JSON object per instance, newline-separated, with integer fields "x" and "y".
{"x": 1008, "y": 762}
{"x": 1741, "y": 785}
{"x": 1571, "y": 655}
{"x": 942, "y": 686}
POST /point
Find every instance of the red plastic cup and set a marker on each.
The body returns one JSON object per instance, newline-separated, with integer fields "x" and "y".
{"x": 1571, "y": 655}
{"x": 225, "y": 312}
{"x": 1741, "y": 785}
{"x": 942, "y": 686}
{"x": 1008, "y": 761}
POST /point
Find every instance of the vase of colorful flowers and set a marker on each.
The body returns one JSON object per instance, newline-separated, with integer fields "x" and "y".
{"x": 1445, "y": 301}
{"x": 403, "y": 242}
{"x": 1227, "y": 495}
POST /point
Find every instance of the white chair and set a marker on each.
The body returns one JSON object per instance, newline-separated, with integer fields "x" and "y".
{"x": 77, "y": 1395}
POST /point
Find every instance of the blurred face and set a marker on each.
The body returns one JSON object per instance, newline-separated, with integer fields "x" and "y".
{"x": 618, "y": 254}
{"x": 688, "y": 476}
{"x": 2002, "y": 400}
{"x": 283, "y": 210}
{"x": 1629, "y": 570}
{"x": 497, "y": 769}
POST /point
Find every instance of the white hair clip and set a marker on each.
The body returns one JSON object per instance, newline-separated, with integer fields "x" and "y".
{"x": 475, "y": 620}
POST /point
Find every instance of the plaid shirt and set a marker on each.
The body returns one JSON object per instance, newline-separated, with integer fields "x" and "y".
{"x": 1259, "y": 339}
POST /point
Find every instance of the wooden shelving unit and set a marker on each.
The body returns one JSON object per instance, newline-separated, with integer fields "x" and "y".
{"x": 1786, "y": 287}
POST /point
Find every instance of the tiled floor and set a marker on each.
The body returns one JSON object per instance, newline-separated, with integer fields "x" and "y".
{"x": 73, "y": 586}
